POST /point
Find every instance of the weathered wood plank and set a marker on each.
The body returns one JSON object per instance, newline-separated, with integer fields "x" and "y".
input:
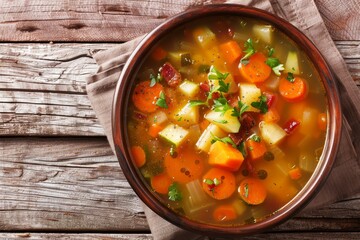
{"x": 42, "y": 87}
{"x": 76, "y": 184}
{"x": 95, "y": 236}
{"x": 85, "y": 21}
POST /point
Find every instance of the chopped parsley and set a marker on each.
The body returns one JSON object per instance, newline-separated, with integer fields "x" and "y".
{"x": 174, "y": 193}
{"x": 256, "y": 138}
{"x": 261, "y": 104}
{"x": 214, "y": 181}
{"x": 221, "y": 121}
{"x": 215, "y": 74}
{"x": 271, "y": 51}
{"x": 242, "y": 108}
{"x": 242, "y": 149}
{"x": 249, "y": 50}
{"x": 275, "y": 65}
{"x": 193, "y": 103}
{"x": 227, "y": 140}
{"x": 161, "y": 101}
{"x": 246, "y": 188}
{"x": 221, "y": 105}
{"x": 290, "y": 77}
{"x": 154, "y": 80}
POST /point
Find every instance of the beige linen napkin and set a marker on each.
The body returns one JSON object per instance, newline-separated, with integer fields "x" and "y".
{"x": 344, "y": 179}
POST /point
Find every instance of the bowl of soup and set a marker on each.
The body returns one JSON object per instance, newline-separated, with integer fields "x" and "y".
{"x": 226, "y": 120}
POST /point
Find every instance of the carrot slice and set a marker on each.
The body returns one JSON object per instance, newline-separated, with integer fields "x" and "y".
{"x": 139, "y": 155}
{"x": 295, "y": 173}
{"x": 230, "y": 51}
{"x": 154, "y": 130}
{"x": 224, "y": 213}
{"x": 252, "y": 191}
{"x": 272, "y": 115}
{"x": 158, "y": 54}
{"x": 161, "y": 183}
{"x": 256, "y": 70}
{"x": 255, "y": 149}
{"x": 225, "y": 156}
{"x": 322, "y": 121}
{"x": 185, "y": 167}
{"x": 144, "y": 97}
{"x": 293, "y": 91}
{"x": 226, "y": 186}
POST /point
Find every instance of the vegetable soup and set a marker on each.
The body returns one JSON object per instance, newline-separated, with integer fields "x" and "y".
{"x": 227, "y": 120}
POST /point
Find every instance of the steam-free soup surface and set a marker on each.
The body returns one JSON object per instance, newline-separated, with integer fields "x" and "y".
{"x": 227, "y": 120}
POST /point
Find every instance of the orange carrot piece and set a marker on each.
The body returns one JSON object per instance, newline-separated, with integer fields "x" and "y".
{"x": 322, "y": 121}
{"x": 293, "y": 91}
{"x": 185, "y": 167}
{"x": 161, "y": 183}
{"x": 295, "y": 173}
{"x": 225, "y": 156}
{"x": 158, "y": 54}
{"x": 255, "y": 149}
{"x": 272, "y": 115}
{"x": 256, "y": 70}
{"x": 252, "y": 191}
{"x": 139, "y": 155}
{"x": 203, "y": 124}
{"x": 224, "y": 189}
{"x": 144, "y": 97}
{"x": 230, "y": 51}
{"x": 154, "y": 130}
{"x": 224, "y": 213}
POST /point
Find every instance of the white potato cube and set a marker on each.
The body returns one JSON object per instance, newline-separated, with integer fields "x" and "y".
{"x": 271, "y": 132}
{"x": 204, "y": 142}
{"x": 189, "y": 89}
{"x": 249, "y": 93}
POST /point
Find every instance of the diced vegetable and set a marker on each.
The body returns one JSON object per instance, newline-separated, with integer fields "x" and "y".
{"x": 144, "y": 96}
{"x": 271, "y": 132}
{"x": 180, "y": 59}
{"x": 174, "y": 134}
{"x": 292, "y": 63}
{"x": 252, "y": 191}
{"x": 293, "y": 91}
{"x": 206, "y": 137}
{"x": 154, "y": 130}
{"x": 255, "y": 149}
{"x": 188, "y": 115}
{"x": 230, "y": 51}
{"x": 197, "y": 199}
{"x": 225, "y": 121}
{"x": 158, "y": 117}
{"x": 255, "y": 70}
{"x": 271, "y": 115}
{"x": 139, "y": 156}
{"x": 194, "y": 133}
{"x": 225, "y": 185}
{"x": 161, "y": 183}
{"x": 233, "y": 88}
{"x": 307, "y": 161}
{"x": 204, "y": 37}
{"x": 189, "y": 89}
{"x": 291, "y": 125}
{"x": 185, "y": 167}
{"x": 263, "y": 32}
{"x": 309, "y": 121}
{"x": 225, "y": 156}
{"x": 249, "y": 93}
{"x": 295, "y": 173}
{"x": 159, "y": 53}
{"x": 224, "y": 213}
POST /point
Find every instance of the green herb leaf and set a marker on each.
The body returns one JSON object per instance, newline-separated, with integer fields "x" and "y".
{"x": 223, "y": 87}
{"x": 208, "y": 181}
{"x": 193, "y": 103}
{"x": 221, "y": 105}
{"x": 261, "y": 104}
{"x": 256, "y": 138}
{"x": 275, "y": 64}
{"x": 161, "y": 101}
{"x": 174, "y": 193}
{"x": 237, "y": 112}
{"x": 215, "y": 74}
{"x": 221, "y": 121}
{"x": 242, "y": 149}
{"x": 271, "y": 51}
{"x": 217, "y": 182}
{"x": 249, "y": 49}
{"x": 224, "y": 140}
{"x": 290, "y": 77}
{"x": 244, "y": 61}
{"x": 246, "y": 188}
{"x": 154, "y": 80}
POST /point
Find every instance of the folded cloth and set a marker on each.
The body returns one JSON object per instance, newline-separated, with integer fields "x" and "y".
{"x": 344, "y": 180}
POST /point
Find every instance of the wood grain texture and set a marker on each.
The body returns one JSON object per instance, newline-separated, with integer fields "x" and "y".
{"x": 76, "y": 185}
{"x": 42, "y": 87}
{"x": 85, "y": 20}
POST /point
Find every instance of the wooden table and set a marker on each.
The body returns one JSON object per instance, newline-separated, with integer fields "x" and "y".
{"x": 58, "y": 176}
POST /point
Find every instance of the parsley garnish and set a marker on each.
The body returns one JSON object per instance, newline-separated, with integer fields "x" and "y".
{"x": 271, "y": 51}
{"x": 242, "y": 108}
{"x": 290, "y": 77}
{"x": 261, "y": 104}
{"x": 242, "y": 149}
{"x": 215, "y": 74}
{"x": 154, "y": 80}
{"x": 214, "y": 181}
{"x": 275, "y": 64}
{"x": 224, "y": 140}
{"x": 193, "y": 103}
{"x": 161, "y": 101}
{"x": 221, "y": 121}
{"x": 246, "y": 188}
{"x": 249, "y": 50}
{"x": 256, "y": 138}
{"x": 221, "y": 105}
{"x": 174, "y": 193}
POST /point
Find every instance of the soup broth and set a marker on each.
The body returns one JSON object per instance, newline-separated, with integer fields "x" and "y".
{"x": 227, "y": 120}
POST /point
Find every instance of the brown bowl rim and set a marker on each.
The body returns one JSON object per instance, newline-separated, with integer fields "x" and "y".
{"x": 122, "y": 94}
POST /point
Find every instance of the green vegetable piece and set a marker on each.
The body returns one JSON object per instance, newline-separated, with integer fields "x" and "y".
{"x": 161, "y": 101}
{"x": 275, "y": 64}
{"x": 249, "y": 49}
{"x": 261, "y": 104}
{"x": 174, "y": 193}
